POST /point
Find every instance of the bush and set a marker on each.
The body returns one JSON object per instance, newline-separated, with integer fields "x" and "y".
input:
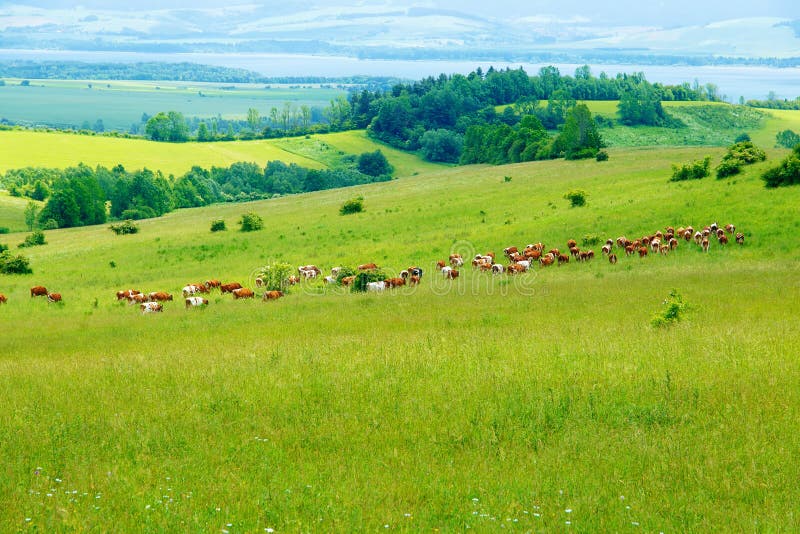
{"x": 590, "y": 240}
{"x": 3, "y": 247}
{"x": 786, "y": 173}
{"x": 34, "y": 239}
{"x": 125, "y": 227}
{"x": 50, "y": 224}
{"x": 354, "y": 205}
{"x": 4, "y": 230}
{"x": 276, "y": 276}
{"x": 218, "y": 225}
{"x": 691, "y": 171}
{"x": 672, "y": 312}
{"x": 10, "y": 264}
{"x": 728, "y": 168}
{"x": 344, "y": 272}
{"x": 576, "y": 197}
{"x": 787, "y": 139}
{"x": 250, "y": 222}
{"x": 744, "y": 136}
{"x": 602, "y": 155}
{"x": 442, "y": 145}
{"x": 374, "y": 164}
{"x": 365, "y": 277}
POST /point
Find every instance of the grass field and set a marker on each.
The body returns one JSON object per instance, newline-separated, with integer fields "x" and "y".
{"x": 538, "y": 403}
{"x": 68, "y": 103}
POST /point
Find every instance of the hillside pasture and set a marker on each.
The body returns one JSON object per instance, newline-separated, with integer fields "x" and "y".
{"x": 539, "y": 403}
{"x": 70, "y": 103}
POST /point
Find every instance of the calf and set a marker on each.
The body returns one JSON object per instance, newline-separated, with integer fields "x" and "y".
{"x": 723, "y": 239}
{"x": 54, "y": 297}
{"x": 642, "y": 251}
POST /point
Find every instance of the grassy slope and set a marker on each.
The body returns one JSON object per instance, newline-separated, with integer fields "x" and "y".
{"x": 529, "y": 402}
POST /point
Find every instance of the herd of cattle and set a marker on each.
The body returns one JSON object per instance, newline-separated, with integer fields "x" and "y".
{"x": 518, "y": 261}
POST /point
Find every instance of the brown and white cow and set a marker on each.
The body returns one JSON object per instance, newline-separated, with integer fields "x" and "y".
{"x": 612, "y": 259}
{"x": 229, "y": 287}
{"x": 242, "y": 293}
{"x": 38, "y": 291}
{"x": 54, "y": 297}
{"x": 272, "y": 295}
{"x": 151, "y": 307}
{"x": 740, "y": 238}
{"x": 3, "y": 299}
{"x": 127, "y": 294}
{"x": 160, "y": 296}
{"x": 193, "y": 302}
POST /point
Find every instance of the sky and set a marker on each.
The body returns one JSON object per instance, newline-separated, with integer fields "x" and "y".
{"x": 660, "y": 13}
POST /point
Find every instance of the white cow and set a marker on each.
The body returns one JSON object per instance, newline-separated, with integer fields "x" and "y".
{"x": 196, "y": 301}
{"x": 151, "y": 307}
{"x": 376, "y": 286}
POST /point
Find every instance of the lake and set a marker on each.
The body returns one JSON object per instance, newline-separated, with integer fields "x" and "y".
{"x": 732, "y": 81}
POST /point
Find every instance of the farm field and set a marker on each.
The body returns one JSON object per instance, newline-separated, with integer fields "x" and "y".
{"x": 69, "y": 103}
{"x": 537, "y": 403}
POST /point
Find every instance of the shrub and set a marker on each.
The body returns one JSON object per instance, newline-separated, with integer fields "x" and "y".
{"x": 786, "y": 173}
{"x": 3, "y": 247}
{"x": 10, "y": 264}
{"x": 276, "y": 276}
{"x": 691, "y": 171}
{"x": 250, "y": 222}
{"x": 125, "y": 227}
{"x": 590, "y": 240}
{"x": 672, "y": 311}
{"x": 576, "y": 197}
{"x": 744, "y": 136}
{"x": 365, "y": 277}
{"x": 787, "y": 139}
{"x": 4, "y": 230}
{"x": 728, "y": 168}
{"x": 50, "y": 224}
{"x": 354, "y": 205}
{"x": 374, "y": 164}
{"x": 218, "y": 225}
{"x": 602, "y": 155}
{"x": 344, "y": 272}
{"x": 34, "y": 239}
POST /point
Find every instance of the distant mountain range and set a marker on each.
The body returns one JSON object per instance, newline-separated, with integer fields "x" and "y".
{"x": 388, "y": 31}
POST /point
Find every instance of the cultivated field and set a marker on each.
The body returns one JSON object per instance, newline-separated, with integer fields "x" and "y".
{"x": 537, "y": 403}
{"x": 68, "y": 103}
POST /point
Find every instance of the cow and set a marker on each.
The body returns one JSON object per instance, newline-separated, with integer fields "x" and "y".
{"x": 586, "y": 255}
{"x": 664, "y": 249}
{"x": 292, "y": 280}
{"x": 309, "y": 268}
{"x": 415, "y": 271}
{"x": 546, "y": 260}
{"x": 446, "y": 271}
{"x": 376, "y": 286}
{"x": 212, "y": 283}
{"x": 259, "y": 282}
{"x": 367, "y": 267}
{"x": 574, "y": 251}
{"x": 54, "y": 297}
{"x": 151, "y": 307}
{"x": 514, "y": 257}
{"x": 414, "y": 280}
{"x": 190, "y": 290}
{"x": 440, "y": 264}
{"x": 730, "y": 228}
{"x": 138, "y": 298}
{"x": 309, "y": 273}
{"x": 642, "y": 251}
{"x": 704, "y": 244}
{"x": 228, "y": 288}
{"x": 612, "y": 259}
{"x": 330, "y": 279}
{"x": 456, "y": 260}
{"x": 532, "y": 254}
{"x": 525, "y": 264}
{"x": 687, "y": 235}
{"x": 498, "y": 268}
{"x": 698, "y": 238}
{"x": 348, "y": 280}
{"x": 128, "y": 293}
{"x": 192, "y": 302}
{"x": 38, "y": 291}
{"x": 740, "y": 238}
{"x": 571, "y": 243}
{"x": 508, "y": 251}
{"x": 3, "y": 299}
{"x": 404, "y": 274}
{"x": 606, "y": 249}
{"x": 160, "y": 296}
{"x": 453, "y": 274}
{"x": 655, "y": 245}
{"x": 335, "y": 271}
{"x": 562, "y": 258}
{"x": 395, "y": 282}
{"x": 723, "y": 239}
{"x": 242, "y": 293}
{"x": 272, "y": 295}
{"x": 673, "y": 243}
{"x": 629, "y": 249}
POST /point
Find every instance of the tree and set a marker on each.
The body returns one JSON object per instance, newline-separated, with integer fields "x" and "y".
{"x": 787, "y": 139}
{"x": 171, "y": 127}
{"x": 580, "y": 138}
{"x": 253, "y": 119}
{"x": 374, "y": 164}
{"x": 250, "y": 222}
{"x": 641, "y": 104}
{"x": 442, "y": 145}
{"x": 31, "y": 210}
{"x": 203, "y": 133}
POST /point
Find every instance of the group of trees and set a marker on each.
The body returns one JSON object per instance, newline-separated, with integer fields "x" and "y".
{"x": 81, "y": 195}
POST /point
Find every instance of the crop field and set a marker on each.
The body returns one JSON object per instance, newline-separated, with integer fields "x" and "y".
{"x": 541, "y": 402}
{"x": 69, "y": 103}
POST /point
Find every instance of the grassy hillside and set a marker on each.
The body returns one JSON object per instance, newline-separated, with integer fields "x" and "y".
{"x": 534, "y": 402}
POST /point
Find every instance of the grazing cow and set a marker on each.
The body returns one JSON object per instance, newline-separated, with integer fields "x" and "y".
{"x": 586, "y": 256}
{"x": 698, "y": 238}
{"x": 532, "y": 254}
{"x": 242, "y": 293}
{"x": 664, "y": 249}
{"x": 730, "y": 228}
{"x": 572, "y": 243}
{"x": 456, "y": 260}
{"x": 3, "y": 299}
{"x": 642, "y": 251}
{"x": 629, "y": 249}
{"x": 348, "y": 280}
{"x": 655, "y": 245}
{"x": 230, "y": 287}
{"x": 128, "y": 293}
{"x": 574, "y": 251}
{"x": 606, "y": 249}
{"x": 673, "y": 243}
{"x": 151, "y": 307}
{"x": 309, "y": 273}
{"x": 193, "y": 302}
{"x": 740, "y": 238}
{"x": 525, "y": 264}
{"x": 414, "y": 280}
{"x": 415, "y": 271}
{"x": 376, "y": 286}
{"x": 687, "y": 235}
{"x": 440, "y": 264}
{"x": 190, "y": 290}
{"x": 704, "y": 244}
{"x": 292, "y": 280}
{"x": 713, "y": 227}
{"x": 546, "y": 260}
{"x": 498, "y": 268}
{"x": 54, "y": 297}
{"x": 160, "y": 296}
{"x": 612, "y": 259}
{"x": 309, "y": 268}
{"x": 38, "y": 291}
{"x": 514, "y": 257}
{"x": 272, "y": 295}
{"x": 367, "y": 267}
{"x": 452, "y": 275}
{"x": 515, "y": 269}
{"x": 138, "y": 298}
{"x": 508, "y": 251}
{"x": 720, "y": 232}
{"x": 723, "y": 239}
{"x": 446, "y": 271}
{"x": 395, "y": 282}
{"x": 212, "y": 283}
{"x": 330, "y": 279}
{"x": 486, "y": 266}
{"x": 562, "y": 258}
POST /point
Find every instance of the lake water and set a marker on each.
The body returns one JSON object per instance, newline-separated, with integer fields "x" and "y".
{"x": 732, "y": 81}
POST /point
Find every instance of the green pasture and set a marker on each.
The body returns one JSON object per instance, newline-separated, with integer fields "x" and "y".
{"x": 68, "y": 103}
{"x": 544, "y": 402}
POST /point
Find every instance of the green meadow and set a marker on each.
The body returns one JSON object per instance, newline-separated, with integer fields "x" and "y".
{"x": 69, "y": 103}
{"x": 542, "y": 402}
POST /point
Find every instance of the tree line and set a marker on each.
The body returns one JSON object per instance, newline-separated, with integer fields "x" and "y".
{"x": 82, "y": 195}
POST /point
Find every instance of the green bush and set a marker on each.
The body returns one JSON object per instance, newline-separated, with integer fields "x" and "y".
{"x": 354, "y": 205}
{"x": 344, "y": 272}
{"x": 34, "y": 239}
{"x": 728, "y": 168}
{"x": 787, "y": 139}
{"x": 125, "y": 227}
{"x": 50, "y": 224}
{"x": 251, "y": 222}
{"x": 374, "y": 164}
{"x": 691, "y": 171}
{"x": 602, "y": 155}
{"x": 674, "y": 307}
{"x": 3, "y": 247}
{"x": 10, "y": 264}
{"x": 276, "y": 276}
{"x": 744, "y": 136}
{"x": 786, "y": 173}
{"x": 365, "y": 277}
{"x": 590, "y": 240}
{"x": 4, "y": 230}
{"x": 576, "y": 197}
{"x": 218, "y": 225}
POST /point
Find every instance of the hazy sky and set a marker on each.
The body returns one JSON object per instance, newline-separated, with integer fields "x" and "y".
{"x": 664, "y": 13}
